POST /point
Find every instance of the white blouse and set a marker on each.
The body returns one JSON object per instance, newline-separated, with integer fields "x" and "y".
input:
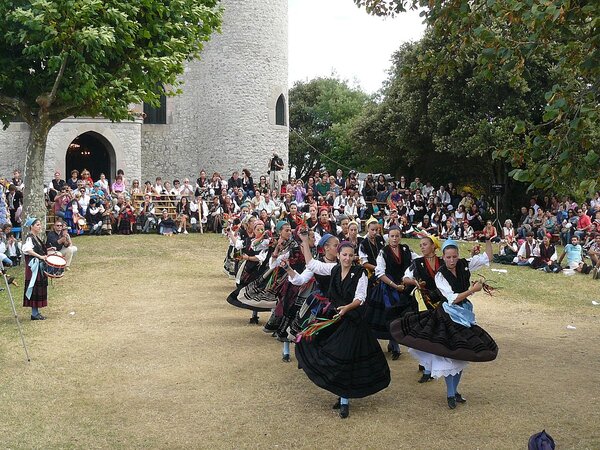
{"x": 321, "y": 268}
{"x": 442, "y": 284}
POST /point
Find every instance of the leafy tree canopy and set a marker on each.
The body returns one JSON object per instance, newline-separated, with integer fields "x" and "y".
{"x": 322, "y": 113}
{"x": 62, "y": 58}
{"x": 562, "y": 150}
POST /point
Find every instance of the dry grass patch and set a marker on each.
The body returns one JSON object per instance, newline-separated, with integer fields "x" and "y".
{"x": 154, "y": 357}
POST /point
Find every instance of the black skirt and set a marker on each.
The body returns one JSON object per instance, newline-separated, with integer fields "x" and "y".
{"x": 261, "y": 294}
{"x": 435, "y": 332}
{"x": 345, "y": 359}
{"x": 384, "y": 305}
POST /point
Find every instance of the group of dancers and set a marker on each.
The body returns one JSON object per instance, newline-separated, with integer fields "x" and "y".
{"x": 333, "y": 294}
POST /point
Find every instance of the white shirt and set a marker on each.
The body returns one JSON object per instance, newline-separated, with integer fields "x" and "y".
{"x": 382, "y": 266}
{"x": 321, "y": 268}
{"x": 442, "y": 284}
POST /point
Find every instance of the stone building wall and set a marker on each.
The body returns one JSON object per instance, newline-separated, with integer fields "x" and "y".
{"x": 13, "y": 143}
{"x": 225, "y": 119}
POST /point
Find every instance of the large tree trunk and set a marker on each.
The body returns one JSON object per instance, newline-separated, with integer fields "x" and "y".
{"x": 33, "y": 195}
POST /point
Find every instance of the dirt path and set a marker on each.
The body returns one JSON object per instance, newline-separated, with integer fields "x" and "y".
{"x": 155, "y": 358}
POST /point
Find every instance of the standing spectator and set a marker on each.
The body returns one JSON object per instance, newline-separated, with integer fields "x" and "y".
{"x": 275, "y": 171}
{"x": 17, "y": 180}
{"x": 14, "y": 200}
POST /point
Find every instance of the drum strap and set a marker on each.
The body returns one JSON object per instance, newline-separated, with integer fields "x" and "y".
{"x": 35, "y": 266}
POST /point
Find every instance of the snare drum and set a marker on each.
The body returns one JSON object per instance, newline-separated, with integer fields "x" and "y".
{"x": 55, "y": 265}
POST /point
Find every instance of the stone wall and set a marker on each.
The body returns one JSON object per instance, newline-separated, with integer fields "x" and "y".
{"x": 13, "y": 143}
{"x": 122, "y": 140}
{"x": 225, "y": 119}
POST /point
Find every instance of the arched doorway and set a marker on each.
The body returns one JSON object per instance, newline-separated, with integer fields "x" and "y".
{"x": 93, "y": 152}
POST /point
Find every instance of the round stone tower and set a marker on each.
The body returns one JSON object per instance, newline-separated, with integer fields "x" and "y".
{"x": 233, "y": 112}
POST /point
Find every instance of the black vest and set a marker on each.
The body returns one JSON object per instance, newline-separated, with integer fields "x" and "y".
{"x": 372, "y": 250}
{"x": 395, "y": 269}
{"x": 341, "y": 292}
{"x": 461, "y": 282}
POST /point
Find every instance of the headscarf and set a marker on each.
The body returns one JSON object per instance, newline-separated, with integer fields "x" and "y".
{"x": 449, "y": 243}
{"x": 280, "y": 225}
{"x": 30, "y": 221}
{"x": 324, "y": 239}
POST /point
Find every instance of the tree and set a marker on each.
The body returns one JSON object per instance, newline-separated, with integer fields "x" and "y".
{"x": 447, "y": 127}
{"x": 62, "y": 58}
{"x": 560, "y": 152}
{"x": 322, "y": 113}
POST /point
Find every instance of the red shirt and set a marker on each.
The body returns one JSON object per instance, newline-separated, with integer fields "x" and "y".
{"x": 584, "y": 222}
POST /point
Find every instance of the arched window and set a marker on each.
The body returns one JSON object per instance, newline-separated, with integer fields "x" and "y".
{"x": 156, "y": 115}
{"x": 280, "y": 111}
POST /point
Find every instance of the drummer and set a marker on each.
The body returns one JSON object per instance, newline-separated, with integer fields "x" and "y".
{"x": 59, "y": 240}
{"x": 36, "y": 282}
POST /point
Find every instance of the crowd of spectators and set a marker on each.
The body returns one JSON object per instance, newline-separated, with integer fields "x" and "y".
{"x": 208, "y": 204}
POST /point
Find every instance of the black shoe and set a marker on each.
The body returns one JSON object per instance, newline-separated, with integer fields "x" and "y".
{"x": 286, "y": 358}
{"x": 390, "y": 348}
{"x": 336, "y": 405}
{"x": 459, "y": 398}
{"x": 425, "y": 378}
{"x": 344, "y": 411}
{"x": 452, "y": 402}
{"x": 253, "y": 320}
{"x": 395, "y": 356}
{"x": 38, "y": 317}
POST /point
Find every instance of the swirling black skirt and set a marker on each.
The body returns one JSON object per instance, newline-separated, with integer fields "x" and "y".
{"x": 345, "y": 359}
{"x": 435, "y": 332}
{"x": 384, "y": 305}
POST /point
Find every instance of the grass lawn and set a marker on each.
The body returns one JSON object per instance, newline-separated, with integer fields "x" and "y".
{"x": 141, "y": 350}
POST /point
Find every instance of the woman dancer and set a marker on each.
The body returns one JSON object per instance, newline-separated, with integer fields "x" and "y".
{"x": 421, "y": 274}
{"x": 316, "y": 302}
{"x": 344, "y": 358}
{"x": 445, "y": 339}
{"x": 36, "y": 282}
{"x": 253, "y": 248}
{"x": 389, "y": 298}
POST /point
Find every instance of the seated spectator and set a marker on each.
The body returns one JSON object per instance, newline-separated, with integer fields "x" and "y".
{"x": 215, "y": 216}
{"x": 147, "y": 214}
{"x": 460, "y": 215}
{"x": 548, "y": 226}
{"x": 118, "y": 187}
{"x": 126, "y": 220}
{"x": 574, "y": 254}
{"x": 489, "y": 233}
{"x": 466, "y": 232}
{"x": 526, "y": 225}
{"x": 93, "y": 216}
{"x": 72, "y": 182}
{"x": 248, "y": 183}
{"x": 475, "y": 220}
{"x": 594, "y": 254}
{"x": 58, "y": 239}
{"x": 527, "y": 251}
{"x": 86, "y": 177}
{"x": 183, "y": 214}
{"x": 166, "y": 225}
{"x": 584, "y": 224}
{"x": 508, "y": 232}
{"x": 373, "y": 210}
{"x": 449, "y": 231}
{"x": 187, "y": 191}
{"x": 427, "y": 226}
{"x": 568, "y": 226}
{"x": 548, "y": 257}
{"x": 104, "y": 184}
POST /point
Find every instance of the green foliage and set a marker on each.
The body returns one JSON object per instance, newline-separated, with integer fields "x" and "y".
{"x": 552, "y": 153}
{"x": 322, "y": 115}
{"x": 92, "y": 57}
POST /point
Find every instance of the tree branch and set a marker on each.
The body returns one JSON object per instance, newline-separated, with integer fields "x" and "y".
{"x": 45, "y": 100}
{"x": 61, "y": 72}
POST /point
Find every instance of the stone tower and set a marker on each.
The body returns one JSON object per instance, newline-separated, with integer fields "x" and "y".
{"x": 233, "y": 112}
